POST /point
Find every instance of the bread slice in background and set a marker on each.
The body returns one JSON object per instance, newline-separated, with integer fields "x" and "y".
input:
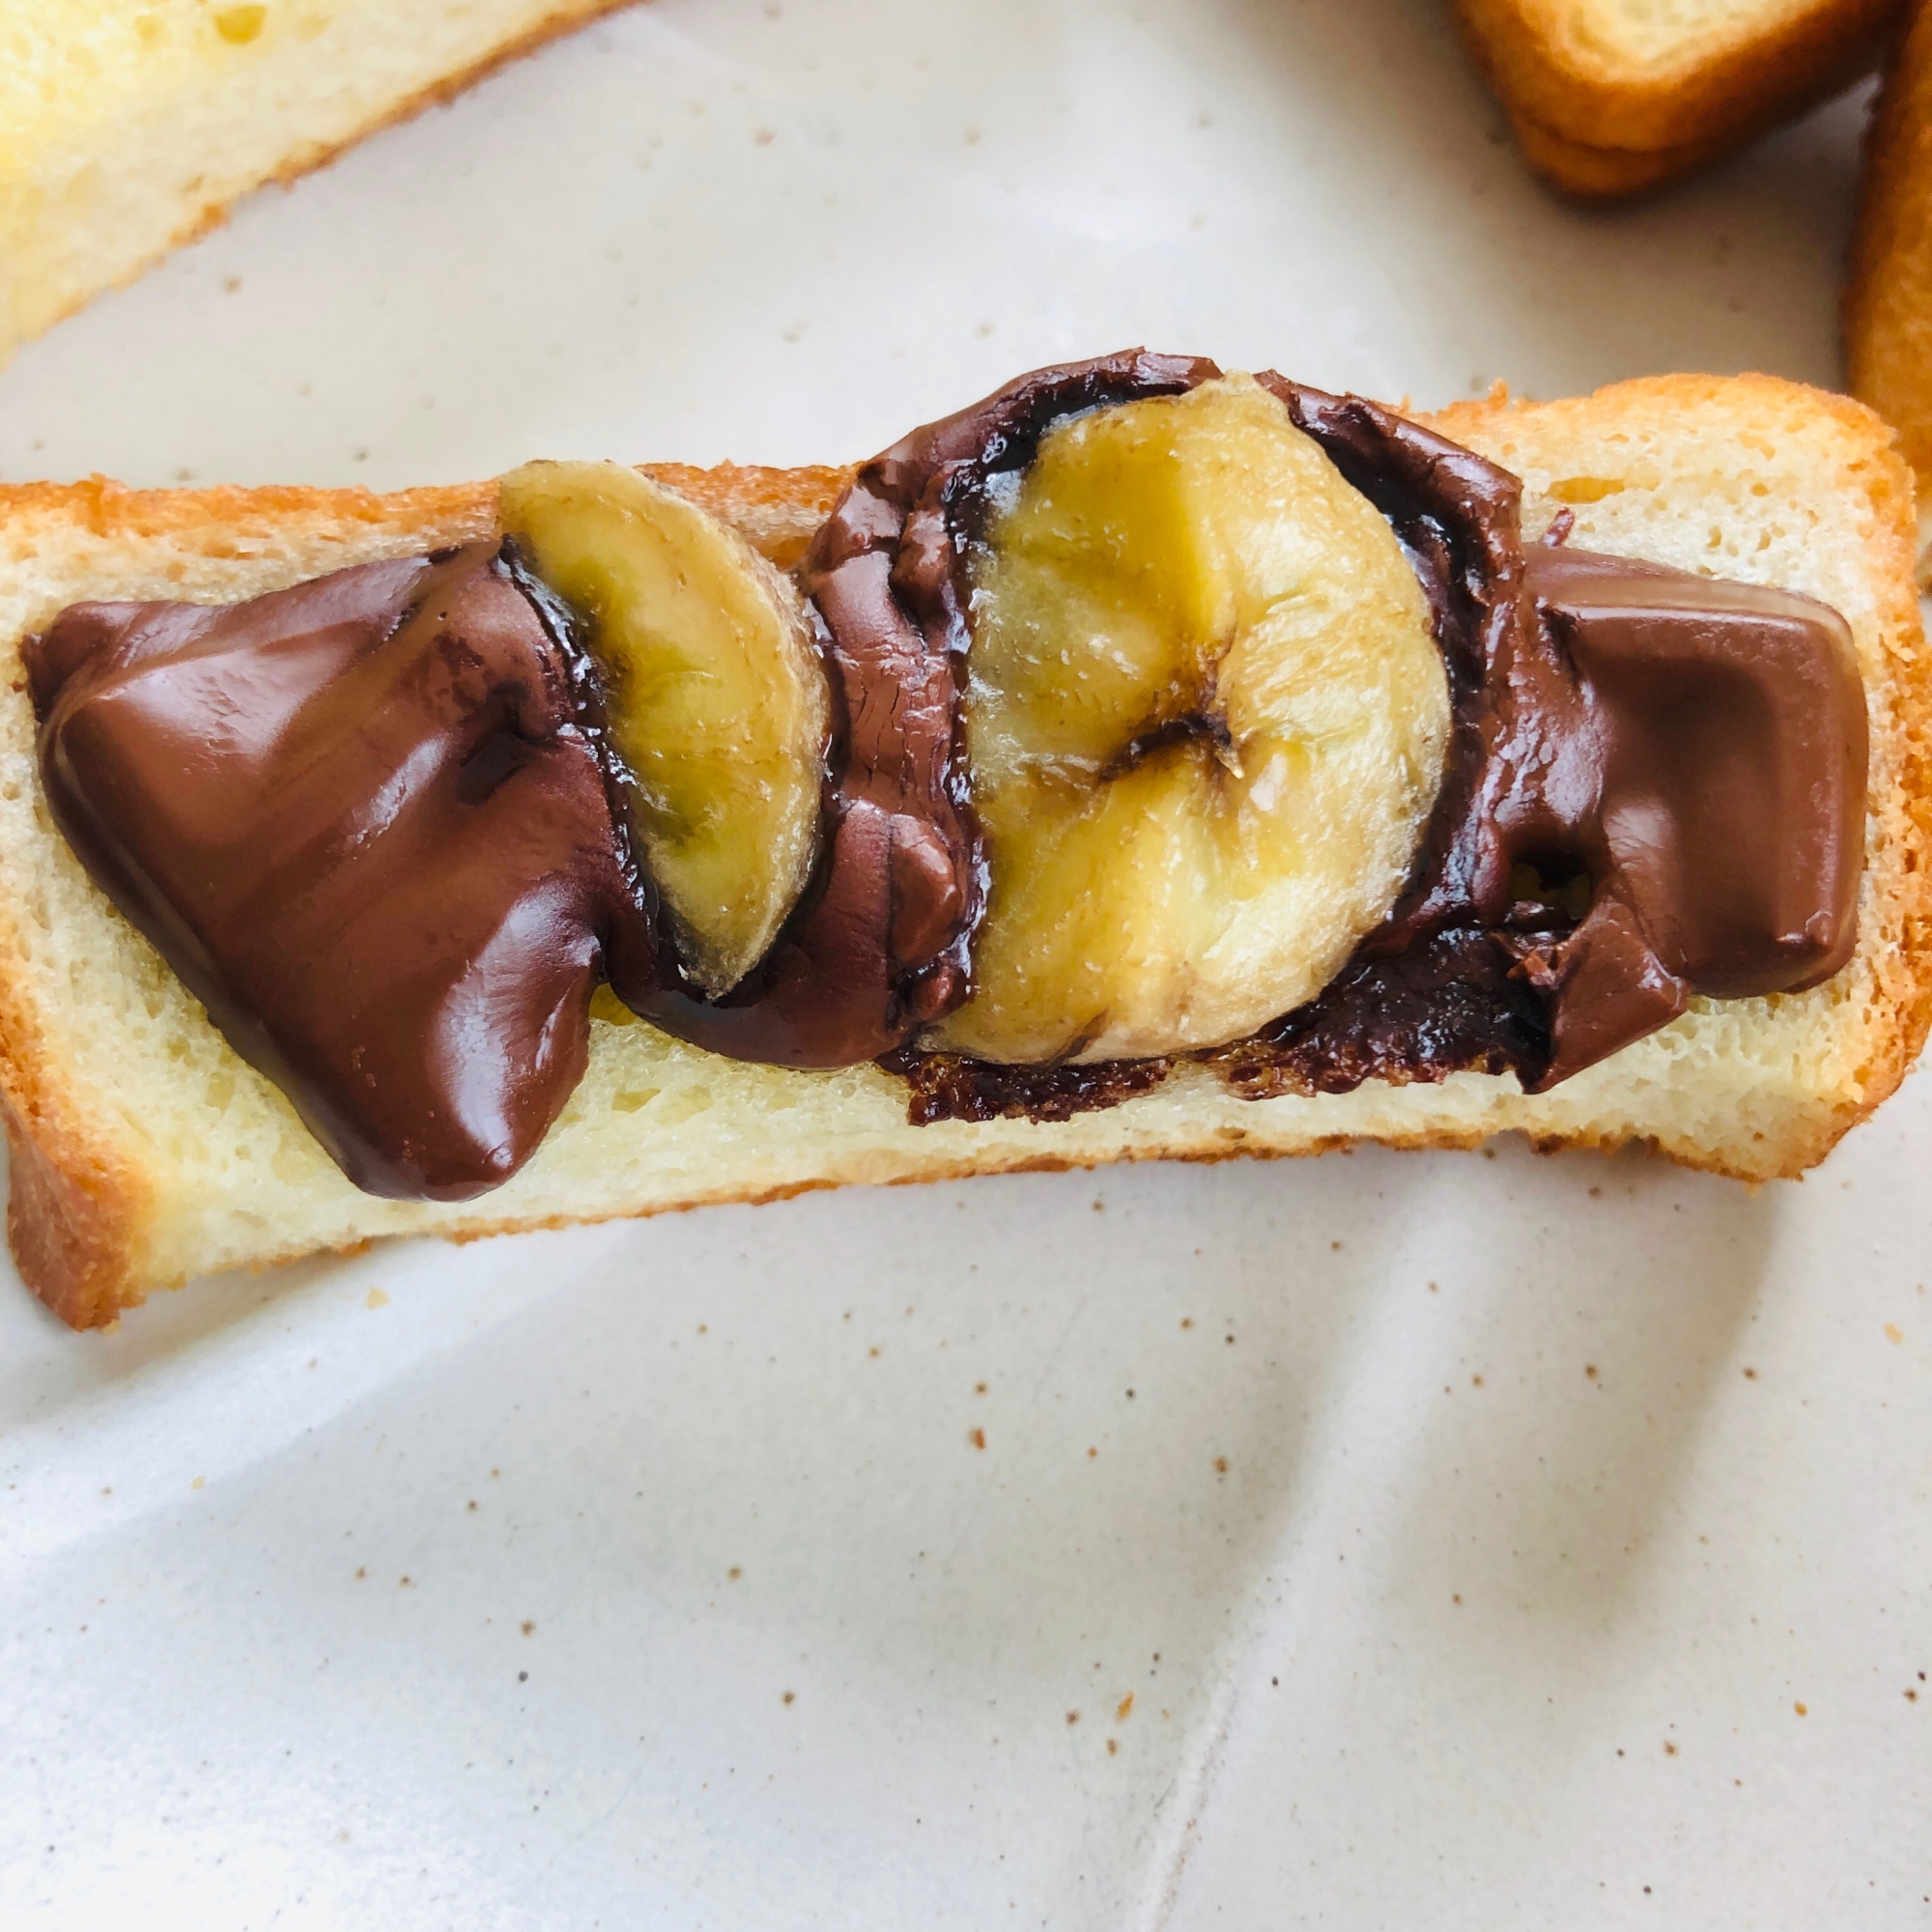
{"x": 144, "y": 1151}
{"x": 129, "y": 126}
{"x": 1889, "y": 290}
{"x": 1610, "y": 98}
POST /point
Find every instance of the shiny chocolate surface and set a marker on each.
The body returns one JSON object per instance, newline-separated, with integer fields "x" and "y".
{"x": 364, "y": 820}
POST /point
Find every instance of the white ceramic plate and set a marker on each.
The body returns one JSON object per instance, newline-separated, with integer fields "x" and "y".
{"x": 1411, "y": 1540}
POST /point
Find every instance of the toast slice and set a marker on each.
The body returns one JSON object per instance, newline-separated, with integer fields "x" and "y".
{"x": 1610, "y": 98}
{"x": 144, "y": 1151}
{"x": 130, "y": 126}
{"x": 1888, "y": 289}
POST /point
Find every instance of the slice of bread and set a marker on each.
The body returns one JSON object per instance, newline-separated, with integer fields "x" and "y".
{"x": 1610, "y": 98}
{"x": 129, "y": 126}
{"x": 1888, "y": 291}
{"x": 144, "y": 1151}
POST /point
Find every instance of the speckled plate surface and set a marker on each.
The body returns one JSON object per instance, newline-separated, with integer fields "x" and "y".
{"x": 1412, "y": 1541}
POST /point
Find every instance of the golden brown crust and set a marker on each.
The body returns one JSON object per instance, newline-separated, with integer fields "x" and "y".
{"x": 1610, "y": 174}
{"x": 564, "y": 19}
{"x": 74, "y": 1209}
{"x": 766, "y": 503}
{"x": 80, "y": 1211}
{"x": 1597, "y": 125}
{"x": 1888, "y": 289}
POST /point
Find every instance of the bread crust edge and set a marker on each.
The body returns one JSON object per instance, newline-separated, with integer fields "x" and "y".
{"x": 80, "y": 1209}
{"x": 1595, "y": 132}
{"x": 1888, "y": 296}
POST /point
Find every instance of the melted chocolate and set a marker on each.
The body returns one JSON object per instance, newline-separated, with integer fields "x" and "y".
{"x": 880, "y": 943}
{"x": 365, "y": 821}
{"x": 371, "y": 823}
{"x": 1700, "y": 752}
{"x": 1653, "y": 786}
{"x": 950, "y": 1087}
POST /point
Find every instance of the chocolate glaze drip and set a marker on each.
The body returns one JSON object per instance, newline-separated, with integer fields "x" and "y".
{"x": 879, "y": 945}
{"x": 365, "y": 821}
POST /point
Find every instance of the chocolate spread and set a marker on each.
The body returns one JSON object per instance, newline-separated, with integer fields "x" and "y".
{"x": 366, "y": 822}
{"x": 371, "y": 820}
{"x": 1654, "y": 786}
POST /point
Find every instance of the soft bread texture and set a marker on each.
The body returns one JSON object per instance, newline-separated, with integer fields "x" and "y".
{"x": 1888, "y": 291}
{"x": 1612, "y": 98}
{"x": 144, "y": 1151}
{"x": 129, "y": 126}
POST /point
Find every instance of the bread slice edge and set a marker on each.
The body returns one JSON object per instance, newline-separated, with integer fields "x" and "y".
{"x": 1888, "y": 294}
{"x": 1597, "y": 126}
{"x": 117, "y": 1193}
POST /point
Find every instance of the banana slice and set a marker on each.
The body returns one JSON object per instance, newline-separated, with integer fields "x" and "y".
{"x": 1206, "y": 718}
{"x": 716, "y": 693}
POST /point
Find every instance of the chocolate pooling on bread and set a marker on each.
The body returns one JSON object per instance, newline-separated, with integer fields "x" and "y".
{"x": 881, "y": 943}
{"x": 365, "y": 820}
{"x": 1657, "y": 787}
{"x": 375, "y": 824}
{"x": 1654, "y": 786}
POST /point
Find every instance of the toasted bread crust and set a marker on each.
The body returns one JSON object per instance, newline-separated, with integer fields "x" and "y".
{"x": 309, "y": 157}
{"x": 1887, "y": 310}
{"x": 86, "y": 1208}
{"x": 75, "y": 1205}
{"x": 1599, "y": 124}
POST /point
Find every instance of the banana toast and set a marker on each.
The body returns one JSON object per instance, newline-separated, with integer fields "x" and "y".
{"x": 146, "y": 1152}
